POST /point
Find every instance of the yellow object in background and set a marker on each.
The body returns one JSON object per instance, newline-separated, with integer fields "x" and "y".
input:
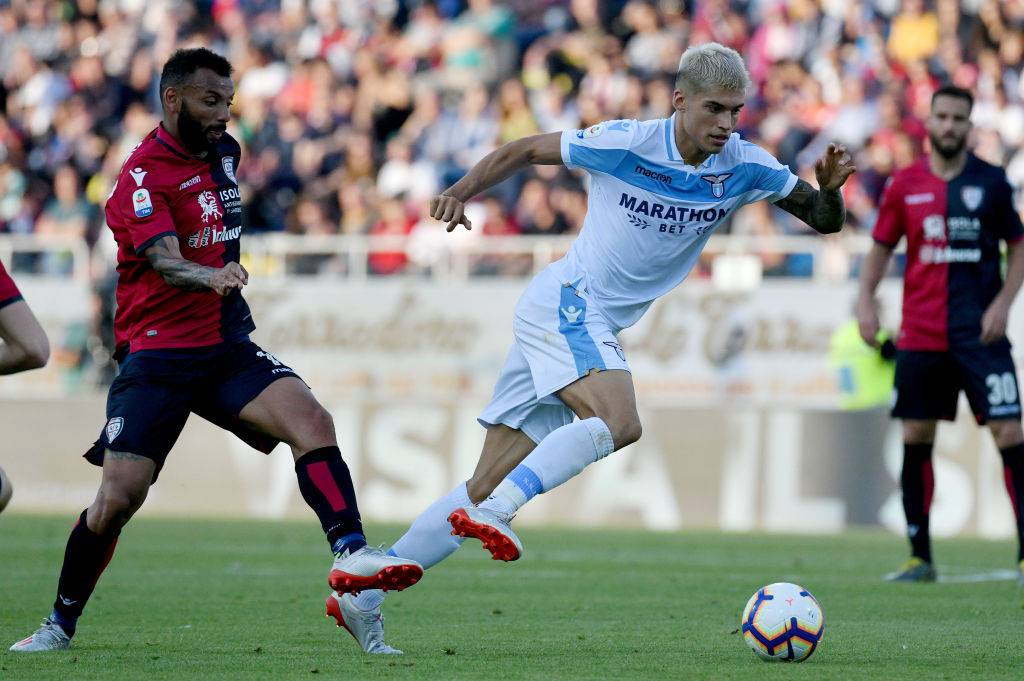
{"x": 865, "y": 378}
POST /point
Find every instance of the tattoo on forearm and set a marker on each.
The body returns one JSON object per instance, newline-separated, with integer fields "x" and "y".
{"x": 823, "y": 210}
{"x": 830, "y": 209}
{"x": 178, "y": 271}
{"x": 124, "y": 456}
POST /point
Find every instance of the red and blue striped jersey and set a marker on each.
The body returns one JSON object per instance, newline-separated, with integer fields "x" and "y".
{"x": 953, "y": 230}
{"x": 164, "y": 191}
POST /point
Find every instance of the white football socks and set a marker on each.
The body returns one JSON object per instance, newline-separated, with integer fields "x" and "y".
{"x": 560, "y": 456}
{"x": 428, "y": 540}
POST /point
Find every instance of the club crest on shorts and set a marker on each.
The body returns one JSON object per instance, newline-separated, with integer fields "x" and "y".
{"x": 717, "y": 183}
{"x": 114, "y": 427}
{"x": 228, "y": 164}
{"x": 972, "y": 196}
{"x": 572, "y": 313}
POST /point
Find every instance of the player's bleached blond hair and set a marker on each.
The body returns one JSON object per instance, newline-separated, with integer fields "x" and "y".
{"x": 711, "y": 66}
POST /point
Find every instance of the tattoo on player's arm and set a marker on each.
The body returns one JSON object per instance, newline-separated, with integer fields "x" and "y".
{"x": 165, "y": 257}
{"x": 124, "y": 456}
{"x": 823, "y": 210}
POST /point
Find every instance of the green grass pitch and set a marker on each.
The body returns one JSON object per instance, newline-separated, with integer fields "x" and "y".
{"x": 197, "y": 599}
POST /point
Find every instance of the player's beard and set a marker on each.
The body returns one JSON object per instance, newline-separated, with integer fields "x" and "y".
{"x": 193, "y": 134}
{"x": 947, "y": 150}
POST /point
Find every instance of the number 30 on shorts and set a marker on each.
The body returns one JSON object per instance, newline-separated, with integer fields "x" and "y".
{"x": 1002, "y": 388}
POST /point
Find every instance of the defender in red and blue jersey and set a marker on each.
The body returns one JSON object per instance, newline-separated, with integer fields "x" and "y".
{"x": 182, "y": 330}
{"x": 164, "y": 191}
{"x": 954, "y": 211}
{"x": 23, "y": 346}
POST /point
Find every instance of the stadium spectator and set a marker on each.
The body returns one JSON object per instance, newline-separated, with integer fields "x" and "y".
{"x": 392, "y": 96}
{"x": 914, "y": 33}
{"x": 394, "y": 221}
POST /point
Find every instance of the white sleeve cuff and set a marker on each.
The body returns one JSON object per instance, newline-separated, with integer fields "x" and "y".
{"x": 566, "y": 136}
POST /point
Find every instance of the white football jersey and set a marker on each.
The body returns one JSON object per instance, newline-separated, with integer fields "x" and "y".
{"x": 649, "y": 213}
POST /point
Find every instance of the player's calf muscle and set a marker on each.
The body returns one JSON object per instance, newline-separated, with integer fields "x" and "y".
{"x": 504, "y": 449}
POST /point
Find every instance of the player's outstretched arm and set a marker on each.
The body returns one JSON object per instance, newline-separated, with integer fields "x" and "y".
{"x": 507, "y": 159}
{"x": 166, "y": 258}
{"x": 871, "y": 272}
{"x": 24, "y": 345}
{"x": 823, "y": 209}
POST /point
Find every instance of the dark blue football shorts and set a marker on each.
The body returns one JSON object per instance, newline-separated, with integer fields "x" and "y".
{"x": 156, "y": 390}
{"x": 928, "y": 384}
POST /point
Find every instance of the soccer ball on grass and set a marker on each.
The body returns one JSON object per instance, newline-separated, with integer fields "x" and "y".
{"x": 783, "y": 622}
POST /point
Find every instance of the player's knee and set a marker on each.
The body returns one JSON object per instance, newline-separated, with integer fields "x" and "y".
{"x": 918, "y": 432}
{"x": 320, "y": 424}
{"x": 113, "y": 508}
{"x": 311, "y": 429}
{"x": 1007, "y": 433}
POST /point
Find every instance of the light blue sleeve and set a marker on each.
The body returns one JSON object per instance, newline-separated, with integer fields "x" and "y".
{"x": 773, "y": 178}
{"x": 599, "y": 148}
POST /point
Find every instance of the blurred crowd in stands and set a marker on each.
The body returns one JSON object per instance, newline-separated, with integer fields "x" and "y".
{"x": 352, "y": 113}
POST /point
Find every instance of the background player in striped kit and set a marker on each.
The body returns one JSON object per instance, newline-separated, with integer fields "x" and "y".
{"x": 953, "y": 209}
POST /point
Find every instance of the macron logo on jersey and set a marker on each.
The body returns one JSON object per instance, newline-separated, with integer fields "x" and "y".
{"x": 188, "y": 183}
{"x": 138, "y": 175}
{"x": 653, "y": 174}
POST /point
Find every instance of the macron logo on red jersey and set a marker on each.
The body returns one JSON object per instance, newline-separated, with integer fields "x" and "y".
{"x": 188, "y": 183}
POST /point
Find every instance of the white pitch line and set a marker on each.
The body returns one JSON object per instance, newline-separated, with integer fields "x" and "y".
{"x": 991, "y": 576}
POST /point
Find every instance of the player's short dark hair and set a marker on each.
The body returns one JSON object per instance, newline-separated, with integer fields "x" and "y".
{"x": 183, "y": 63}
{"x": 950, "y": 90}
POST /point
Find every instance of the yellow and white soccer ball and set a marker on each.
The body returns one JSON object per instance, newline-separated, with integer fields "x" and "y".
{"x": 784, "y": 622}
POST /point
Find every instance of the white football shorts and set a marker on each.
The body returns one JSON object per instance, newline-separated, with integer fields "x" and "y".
{"x": 560, "y": 337}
